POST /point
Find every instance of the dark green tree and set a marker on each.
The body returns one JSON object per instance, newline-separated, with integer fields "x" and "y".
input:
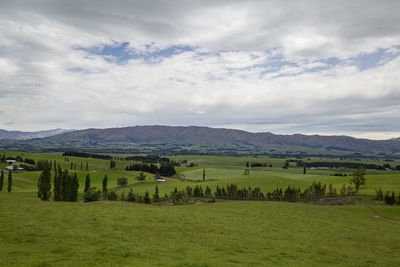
{"x": 1, "y": 180}
{"x": 122, "y": 181}
{"x": 57, "y": 184}
{"x": 208, "y": 192}
{"x": 39, "y": 186}
{"x": 131, "y": 196}
{"x": 343, "y": 190}
{"x": 350, "y": 191}
{"x": 74, "y": 186}
{"x": 156, "y": 196}
{"x": 112, "y": 195}
{"x": 64, "y": 182}
{"x": 92, "y": 194}
{"x": 398, "y": 200}
{"x": 9, "y": 185}
{"x": 358, "y": 177}
{"x": 87, "y": 183}
{"x": 112, "y": 164}
{"x": 204, "y": 174}
{"x": 146, "y": 198}
{"x": 286, "y": 164}
{"x": 379, "y": 194}
{"x": 390, "y": 199}
{"x": 332, "y": 191}
{"x": 141, "y": 177}
{"x": 45, "y": 183}
{"x": 105, "y": 180}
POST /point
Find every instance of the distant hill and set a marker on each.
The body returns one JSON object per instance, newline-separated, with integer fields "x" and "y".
{"x": 29, "y": 135}
{"x": 195, "y": 139}
{"x": 396, "y": 139}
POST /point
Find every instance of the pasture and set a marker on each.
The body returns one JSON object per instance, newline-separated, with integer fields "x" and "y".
{"x": 225, "y": 233}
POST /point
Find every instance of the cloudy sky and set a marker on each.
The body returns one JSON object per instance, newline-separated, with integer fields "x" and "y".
{"x": 327, "y": 67}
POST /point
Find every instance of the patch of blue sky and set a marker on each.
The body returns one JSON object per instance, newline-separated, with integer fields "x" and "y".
{"x": 363, "y": 62}
{"x": 375, "y": 59}
{"x": 120, "y": 53}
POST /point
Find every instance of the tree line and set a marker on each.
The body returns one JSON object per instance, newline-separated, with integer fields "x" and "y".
{"x": 65, "y": 187}
{"x": 9, "y": 181}
{"x": 87, "y": 155}
{"x": 350, "y": 165}
{"x": 148, "y": 159}
{"x": 314, "y": 192}
{"x": 389, "y": 197}
{"x": 165, "y": 169}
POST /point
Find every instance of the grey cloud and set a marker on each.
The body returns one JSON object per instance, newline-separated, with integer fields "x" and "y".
{"x": 56, "y": 85}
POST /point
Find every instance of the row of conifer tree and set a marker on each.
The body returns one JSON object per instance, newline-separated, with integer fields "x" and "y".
{"x": 9, "y": 181}
{"x": 65, "y": 186}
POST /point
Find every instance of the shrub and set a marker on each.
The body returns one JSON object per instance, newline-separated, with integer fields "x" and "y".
{"x": 141, "y": 177}
{"x": 131, "y": 196}
{"x": 122, "y": 181}
{"x": 146, "y": 198}
{"x": 112, "y": 196}
{"x": 93, "y": 194}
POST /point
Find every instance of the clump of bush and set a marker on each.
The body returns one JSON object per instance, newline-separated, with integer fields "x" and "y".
{"x": 112, "y": 196}
{"x": 93, "y": 194}
{"x": 131, "y": 196}
{"x": 122, "y": 181}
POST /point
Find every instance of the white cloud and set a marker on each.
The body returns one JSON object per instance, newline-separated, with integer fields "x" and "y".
{"x": 258, "y": 65}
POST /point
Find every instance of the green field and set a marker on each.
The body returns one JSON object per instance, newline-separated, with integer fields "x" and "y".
{"x": 225, "y": 233}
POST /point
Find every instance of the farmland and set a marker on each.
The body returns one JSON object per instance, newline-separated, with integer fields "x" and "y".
{"x": 103, "y": 233}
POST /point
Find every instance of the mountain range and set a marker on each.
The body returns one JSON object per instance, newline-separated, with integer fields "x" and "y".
{"x": 29, "y": 135}
{"x": 196, "y": 139}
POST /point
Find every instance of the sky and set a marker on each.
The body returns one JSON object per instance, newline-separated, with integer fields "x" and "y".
{"x": 311, "y": 67}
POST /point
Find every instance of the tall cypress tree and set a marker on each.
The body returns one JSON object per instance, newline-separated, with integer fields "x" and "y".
{"x": 64, "y": 185}
{"x": 74, "y": 186}
{"x": 39, "y": 185}
{"x": 57, "y": 186}
{"x": 146, "y": 198}
{"x": 105, "y": 180}
{"x": 87, "y": 183}
{"x": 156, "y": 196}
{"x": 1, "y": 180}
{"x": 9, "y": 185}
{"x": 204, "y": 174}
{"x": 45, "y": 184}
{"x": 112, "y": 164}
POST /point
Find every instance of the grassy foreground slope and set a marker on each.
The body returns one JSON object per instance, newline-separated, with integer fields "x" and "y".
{"x": 37, "y": 233}
{"x": 227, "y": 233}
